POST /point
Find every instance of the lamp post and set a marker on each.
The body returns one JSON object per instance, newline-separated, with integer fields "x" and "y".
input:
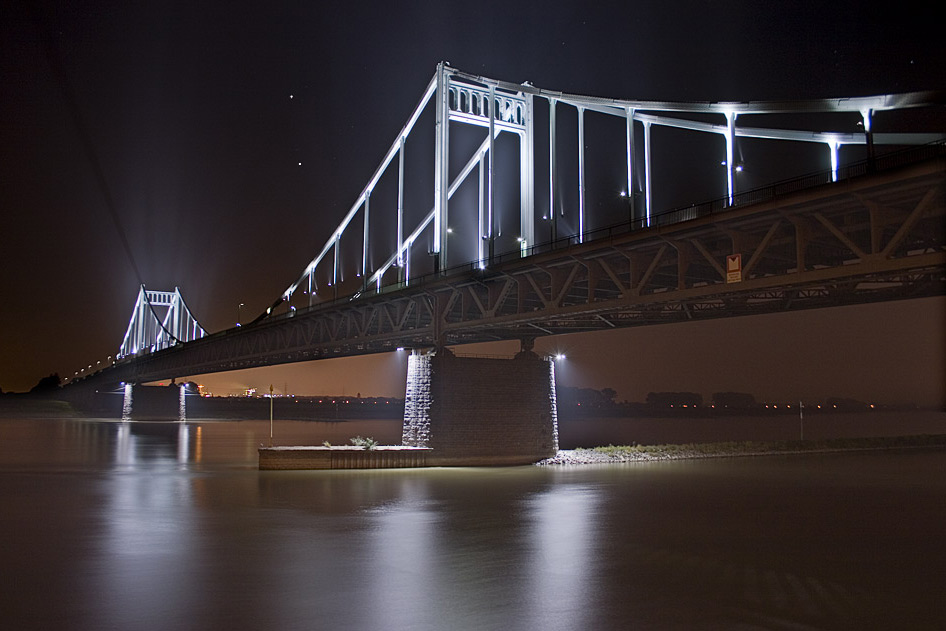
{"x": 239, "y": 314}
{"x": 270, "y": 415}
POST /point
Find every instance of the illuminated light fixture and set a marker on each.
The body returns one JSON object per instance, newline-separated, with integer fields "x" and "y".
{"x": 738, "y": 168}
{"x": 400, "y": 348}
{"x": 560, "y": 356}
{"x": 623, "y": 193}
{"x": 449, "y": 230}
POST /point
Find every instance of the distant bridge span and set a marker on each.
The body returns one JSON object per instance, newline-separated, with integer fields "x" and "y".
{"x": 877, "y": 236}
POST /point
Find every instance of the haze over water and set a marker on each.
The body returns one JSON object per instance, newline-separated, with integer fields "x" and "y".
{"x": 110, "y": 525}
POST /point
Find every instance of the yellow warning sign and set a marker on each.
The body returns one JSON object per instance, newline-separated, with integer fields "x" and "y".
{"x": 734, "y": 268}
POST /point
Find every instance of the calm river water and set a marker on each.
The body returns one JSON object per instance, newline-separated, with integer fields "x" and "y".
{"x": 110, "y": 525}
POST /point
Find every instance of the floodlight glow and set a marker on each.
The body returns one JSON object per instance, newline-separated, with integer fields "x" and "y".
{"x": 560, "y": 356}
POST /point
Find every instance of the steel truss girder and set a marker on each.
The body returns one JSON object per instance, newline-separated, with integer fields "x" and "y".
{"x": 881, "y": 237}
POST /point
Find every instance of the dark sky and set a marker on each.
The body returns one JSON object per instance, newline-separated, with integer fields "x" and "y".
{"x": 185, "y": 123}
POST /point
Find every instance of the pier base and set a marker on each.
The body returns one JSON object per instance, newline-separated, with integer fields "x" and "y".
{"x": 475, "y": 411}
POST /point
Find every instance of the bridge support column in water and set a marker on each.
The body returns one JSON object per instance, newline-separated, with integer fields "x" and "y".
{"x": 474, "y": 411}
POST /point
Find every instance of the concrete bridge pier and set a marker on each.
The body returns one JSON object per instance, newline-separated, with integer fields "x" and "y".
{"x": 153, "y": 402}
{"x": 475, "y": 411}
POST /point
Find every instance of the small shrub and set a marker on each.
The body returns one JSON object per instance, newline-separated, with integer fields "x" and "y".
{"x": 366, "y": 443}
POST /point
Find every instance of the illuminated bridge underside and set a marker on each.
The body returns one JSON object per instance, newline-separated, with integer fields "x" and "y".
{"x": 868, "y": 239}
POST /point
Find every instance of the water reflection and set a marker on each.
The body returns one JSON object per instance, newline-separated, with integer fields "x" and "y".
{"x": 562, "y": 539}
{"x": 156, "y": 443}
{"x": 169, "y": 525}
{"x": 403, "y": 541}
{"x": 146, "y": 553}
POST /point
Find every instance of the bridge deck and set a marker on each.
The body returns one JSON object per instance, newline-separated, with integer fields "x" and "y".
{"x": 881, "y": 236}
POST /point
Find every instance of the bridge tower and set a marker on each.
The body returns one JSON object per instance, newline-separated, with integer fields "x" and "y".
{"x": 148, "y": 333}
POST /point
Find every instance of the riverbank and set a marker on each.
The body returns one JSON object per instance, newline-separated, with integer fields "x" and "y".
{"x": 648, "y": 453}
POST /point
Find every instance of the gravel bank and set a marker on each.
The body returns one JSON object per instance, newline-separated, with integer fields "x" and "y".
{"x": 590, "y": 456}
{"x": 638, "y": 453}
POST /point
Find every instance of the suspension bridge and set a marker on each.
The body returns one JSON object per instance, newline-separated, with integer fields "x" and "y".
{"x": 471, "y": 266}
{"x": 442, "y": 246}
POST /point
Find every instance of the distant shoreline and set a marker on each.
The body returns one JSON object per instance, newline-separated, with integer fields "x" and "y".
{"x": 652, "y": 453}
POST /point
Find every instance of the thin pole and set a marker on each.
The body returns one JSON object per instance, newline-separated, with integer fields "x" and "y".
{"x": 581, "y": 174}
{"x": 630, "y": 165}
{"x": 270, "y": 415}
{"x": 730, "y": 167}
{"x": 489, "y": 177}
{"x": 647, "y": 195}
{"x": 364, "y": 253}
{"x": 400, "y": 208}
{"x": 481, "y": 220}
{"x": 801, "y": 420}
{"x": 441, "y": 160}
{"x": 338, "y": 238}
{"x": 552, "y": 166}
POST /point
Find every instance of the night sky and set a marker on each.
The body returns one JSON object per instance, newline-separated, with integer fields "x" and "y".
{"x": 222, "y": 142}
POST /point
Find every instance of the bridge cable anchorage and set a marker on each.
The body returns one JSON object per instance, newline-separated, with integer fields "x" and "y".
{"x": 147, "y": 332}
{"x": 454, "y": 236}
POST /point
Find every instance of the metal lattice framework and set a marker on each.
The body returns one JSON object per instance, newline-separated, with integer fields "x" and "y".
{"x": 503, "y": 107}
{"x": 147, "y": 333}
{"x": 847, "y": 234}
{"x": 878, "y": 236}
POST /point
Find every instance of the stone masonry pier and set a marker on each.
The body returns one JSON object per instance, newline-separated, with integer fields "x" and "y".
{"x": 475, "y": 411}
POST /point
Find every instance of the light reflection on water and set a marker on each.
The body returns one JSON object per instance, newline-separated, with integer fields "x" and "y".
{"x": 169, "y": 525}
